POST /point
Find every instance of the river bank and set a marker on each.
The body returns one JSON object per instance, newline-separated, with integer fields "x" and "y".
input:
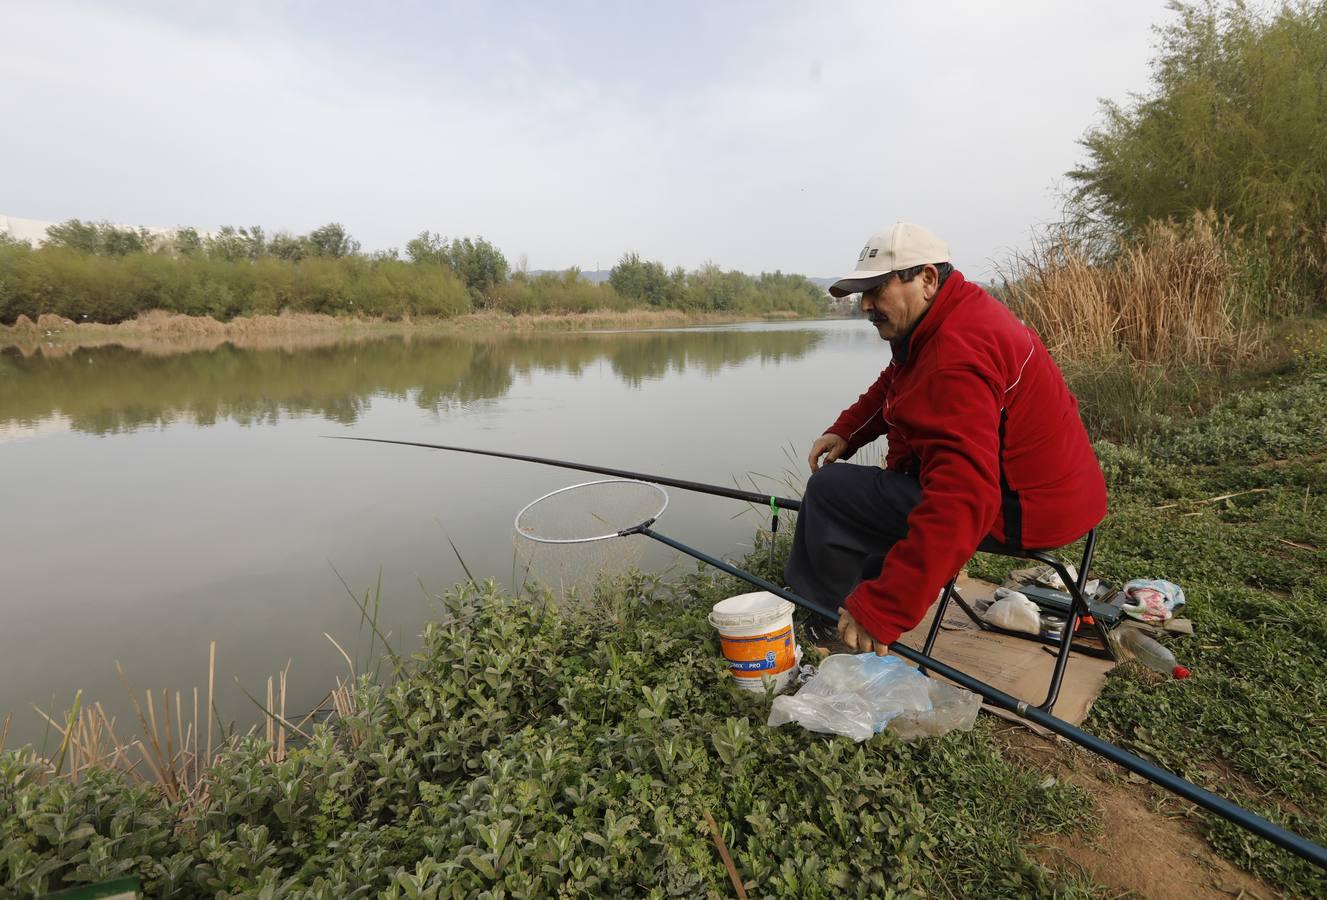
{"x": 539, "y": 749}
{"x": 159, "y": 331}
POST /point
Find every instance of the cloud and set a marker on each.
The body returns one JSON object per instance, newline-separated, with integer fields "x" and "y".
{"x": 757, "y": 136}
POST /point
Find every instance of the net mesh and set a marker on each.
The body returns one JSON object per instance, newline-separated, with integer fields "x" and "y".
{"x": 560, "y": 541}
{"x": 590, "y": 512}
{"x": 575, "y": 572}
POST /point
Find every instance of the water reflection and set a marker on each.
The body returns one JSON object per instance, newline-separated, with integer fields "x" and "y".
{"x": 114, "y": 389}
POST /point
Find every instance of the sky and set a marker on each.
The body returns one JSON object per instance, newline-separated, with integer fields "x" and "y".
{"x": 757, "y": 136}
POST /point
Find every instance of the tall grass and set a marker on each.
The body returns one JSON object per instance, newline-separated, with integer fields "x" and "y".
{"x": 178, "y": 737}
{"x": 1175, "y": 294}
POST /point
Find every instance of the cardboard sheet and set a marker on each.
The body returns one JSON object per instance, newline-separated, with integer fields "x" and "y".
{"x": 1021, "y": 668}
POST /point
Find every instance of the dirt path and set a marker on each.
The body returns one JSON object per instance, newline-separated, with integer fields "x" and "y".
{"x": 1146, "y": 846}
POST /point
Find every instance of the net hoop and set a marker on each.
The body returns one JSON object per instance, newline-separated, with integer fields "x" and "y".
{"x": 663, "y": 505}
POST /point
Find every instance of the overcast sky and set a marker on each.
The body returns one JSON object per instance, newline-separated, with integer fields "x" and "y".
{"x": 761, "y": 136}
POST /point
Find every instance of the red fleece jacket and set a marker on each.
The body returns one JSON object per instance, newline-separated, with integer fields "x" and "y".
{"x": 975, "y": 405}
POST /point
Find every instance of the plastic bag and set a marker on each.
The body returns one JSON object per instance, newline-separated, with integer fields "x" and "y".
{"x": 1013, "y": 611}
{"x": 858, "y": 696}
{"x": 952, "y": 708}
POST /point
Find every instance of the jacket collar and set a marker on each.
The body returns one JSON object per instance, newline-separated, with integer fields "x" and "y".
{"x": 908, "y": 346}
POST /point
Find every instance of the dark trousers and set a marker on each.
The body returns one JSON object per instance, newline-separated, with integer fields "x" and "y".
{"x": 851, "y": 515}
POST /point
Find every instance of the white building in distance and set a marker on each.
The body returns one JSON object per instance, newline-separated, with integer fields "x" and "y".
{"x": 34, "y": 230}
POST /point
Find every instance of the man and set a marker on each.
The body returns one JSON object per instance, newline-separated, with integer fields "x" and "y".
{"x": 984, "y": 440}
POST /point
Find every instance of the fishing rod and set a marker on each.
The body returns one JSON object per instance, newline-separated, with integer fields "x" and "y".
{"x": 698, "y": 487}
{"x": 600, "y": 510}
{"x": 1224, "y": 808}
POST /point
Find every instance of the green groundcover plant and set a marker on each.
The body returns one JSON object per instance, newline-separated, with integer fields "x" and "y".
{"x": 526, "y": 752}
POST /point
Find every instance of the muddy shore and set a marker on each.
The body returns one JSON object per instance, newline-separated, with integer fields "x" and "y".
{"x": 169, "y": 332}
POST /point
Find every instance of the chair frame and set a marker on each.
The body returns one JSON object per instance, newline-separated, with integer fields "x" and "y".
{"x": 1077, "y": 608}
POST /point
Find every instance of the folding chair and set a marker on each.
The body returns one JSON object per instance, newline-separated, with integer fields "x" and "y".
{"x": 1077, "y": 607}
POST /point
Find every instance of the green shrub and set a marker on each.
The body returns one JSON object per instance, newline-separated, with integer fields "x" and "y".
{"x": 230, "y": 280}
{"x": 1235, "y": 122}
{"x": 98, "y": 288}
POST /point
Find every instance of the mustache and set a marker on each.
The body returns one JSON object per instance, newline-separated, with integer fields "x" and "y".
{"x": 875, "y": 318}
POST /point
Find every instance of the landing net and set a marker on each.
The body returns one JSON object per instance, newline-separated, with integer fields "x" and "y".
{"x": 565, "y": 539}
{"x": 593, "y": 511}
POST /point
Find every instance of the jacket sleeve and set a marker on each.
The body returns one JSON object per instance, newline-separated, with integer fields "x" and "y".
{"x": 957, "y": 437}
{"x": 864, "y": 421}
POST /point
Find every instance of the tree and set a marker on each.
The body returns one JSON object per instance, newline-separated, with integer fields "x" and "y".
{"x": 332, "y": 240}
{"x": 711, "y": 288}
{"x": 428, "y": 249}
{"x": 188, "y": 242}
{"x": 123, "y": 241}
{"x": 287, "y": 246}
{"x": 234, "y": 244}
{"x": 1235, "y": 121}
{"x": 98, "y": 238}
{"x": 84, "y": 237}
{"x": 640, "y": 280}
{"x": 479, "y": 264}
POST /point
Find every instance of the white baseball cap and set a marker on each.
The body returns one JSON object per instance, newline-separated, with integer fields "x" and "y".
{"x": 901, "y": 247}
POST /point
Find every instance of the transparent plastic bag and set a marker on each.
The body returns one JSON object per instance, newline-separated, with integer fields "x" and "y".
{"x": 855, "y": 696}
{"x": 952, "y": 709}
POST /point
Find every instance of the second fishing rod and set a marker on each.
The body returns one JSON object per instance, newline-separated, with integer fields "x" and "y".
{"x": 698, "y": 487}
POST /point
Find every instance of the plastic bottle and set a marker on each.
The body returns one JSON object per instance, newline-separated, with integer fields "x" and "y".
{"x": 1150, "y": 653}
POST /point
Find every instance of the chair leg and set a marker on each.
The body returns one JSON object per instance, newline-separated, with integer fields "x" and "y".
{"x": 1061, "y": 659}
{"x": 936, "y": 620}
{"x": 1089, "y": 549}
{"x": 1078, "y": 607}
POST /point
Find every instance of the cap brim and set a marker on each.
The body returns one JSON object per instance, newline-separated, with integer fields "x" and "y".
{"x": 856, "y": 283}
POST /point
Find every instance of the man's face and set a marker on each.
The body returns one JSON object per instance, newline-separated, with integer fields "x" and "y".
{"x": 895, "y": 306}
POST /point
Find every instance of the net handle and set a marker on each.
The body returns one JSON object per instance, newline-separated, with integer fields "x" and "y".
{"x": 602, "y": 537}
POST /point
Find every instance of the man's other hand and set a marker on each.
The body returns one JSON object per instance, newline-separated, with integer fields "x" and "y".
{"x": 856, "y": 637}
{"x": 830, "y": 446}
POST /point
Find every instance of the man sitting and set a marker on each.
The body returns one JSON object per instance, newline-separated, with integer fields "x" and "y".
{"x": 984, "y": 439}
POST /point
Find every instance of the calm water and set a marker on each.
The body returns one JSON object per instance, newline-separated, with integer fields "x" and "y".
{"x": 154, "y": 503}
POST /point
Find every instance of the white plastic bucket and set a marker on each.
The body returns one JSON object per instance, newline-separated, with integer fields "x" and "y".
{"x": 756, "y": 631}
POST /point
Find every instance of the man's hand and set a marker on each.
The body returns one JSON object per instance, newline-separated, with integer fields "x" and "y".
{"x": 856, "y": 637}
{"x": 830, "y": 446}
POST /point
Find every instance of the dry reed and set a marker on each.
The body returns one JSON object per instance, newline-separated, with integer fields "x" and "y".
{"x": 174, "y": 751}
{"x": 1172, "y": 295}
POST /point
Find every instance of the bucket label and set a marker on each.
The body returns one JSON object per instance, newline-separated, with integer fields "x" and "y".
{"x": 761, "y": 654}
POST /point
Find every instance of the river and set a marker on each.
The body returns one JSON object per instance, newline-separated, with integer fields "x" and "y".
{"x": 156, "y": 502}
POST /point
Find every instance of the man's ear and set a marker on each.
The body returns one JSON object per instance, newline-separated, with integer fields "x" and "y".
{"x": 931, "y": 281}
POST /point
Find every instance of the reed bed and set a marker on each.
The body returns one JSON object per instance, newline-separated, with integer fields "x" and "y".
{"x": 1178, "y": 293}
{"x": 180, "y": 737}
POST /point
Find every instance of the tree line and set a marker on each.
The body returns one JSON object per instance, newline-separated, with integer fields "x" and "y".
{"x": 95, "y": 271}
